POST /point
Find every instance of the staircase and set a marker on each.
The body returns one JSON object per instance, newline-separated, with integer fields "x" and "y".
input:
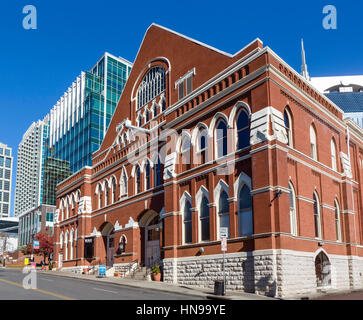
{"x": 140, "y": 273}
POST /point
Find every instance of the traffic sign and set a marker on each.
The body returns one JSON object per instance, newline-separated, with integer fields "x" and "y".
{"x": 224, "y": 244}
{"x": 36, "y": 244}
{"x": 223, "y": 232}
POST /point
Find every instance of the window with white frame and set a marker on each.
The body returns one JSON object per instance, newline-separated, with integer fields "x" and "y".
{"x": 202, "y": 145}
{"x": 106, "y": 193}
{"x": 185, "y": 84}
{"x": 288, "y": 126}
{"x": 123, "y": 184}
{"x": 221, "y": 138}
{"x": 338, "y": 228}
{"x": 157, "y": 173}
{"x": 317, "y": 221}
{"x": 223, "y": 211}
{"x": 151, "y": 86}
{"x": 243, "y": 130}
{"x": 138, "y": 180}
{"x": 313, "y": 147}
{"x": 292, "y": 202}
{"x": 245, "y": 213}
{"x": 113, "y": 190}
{"x": 187, "y": 221}
{"x": 333, "y": 155}
{"x": 71, "y": 245}
{"x": 185, "y": 151}
{"x": 147, "y": 176}
{"x": 204, "y": 219}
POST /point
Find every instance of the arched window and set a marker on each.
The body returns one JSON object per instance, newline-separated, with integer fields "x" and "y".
{"x": 223, "y": 211}
{"x": 138, "y": 180}
{"x": 243, "y": 130}
{"x": 71, "y": 245}
{"x": 147, "y": 115}
{"x": 66, "y": 246}
{"x": 157, "y": 173}
{"x": 163, "y": 105}
{"x": 333, "y": 155}
{"x": 338, "y": 228}
{"x": 221, "y": 139}
{"x": 293, "y": 219}
{"x": 313, "y": 147}
{"x": 204, "y": 220}
{"x": 99, "y": 196}
{"x": 123, "y": 183}
{"x": 113, "y": 190}
{"x": 147, "y": 176}
{"x": 106, "y": 193}
{"x": 151, "y": 86}
{"x": 245, "y": 214}
{"x": 288, "y": 126}
{"x": 125, "y": 139}
{"x": 185, "y": 153}
{"x": 61, "y": 240}
{"x": 187, "y": 220}
{"x": 202, "y": 144}
{"x": 317, "y": 221}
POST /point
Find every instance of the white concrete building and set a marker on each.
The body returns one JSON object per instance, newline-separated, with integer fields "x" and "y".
{"x": 28, "y": 188}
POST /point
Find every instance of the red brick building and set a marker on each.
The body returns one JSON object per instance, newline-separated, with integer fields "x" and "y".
{"x": 202, "y": 139}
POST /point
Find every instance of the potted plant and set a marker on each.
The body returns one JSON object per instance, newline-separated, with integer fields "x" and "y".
{"x": 156, "y": 272}
{"x": 50, "y": 266}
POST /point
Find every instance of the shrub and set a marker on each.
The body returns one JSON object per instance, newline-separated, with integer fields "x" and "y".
{"x": 155, "y": 269}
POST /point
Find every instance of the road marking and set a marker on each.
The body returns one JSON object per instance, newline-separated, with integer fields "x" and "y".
{"x": 104, "y": 290}
{"x": 39, "y": 290}
{"x": 46, "y": 279}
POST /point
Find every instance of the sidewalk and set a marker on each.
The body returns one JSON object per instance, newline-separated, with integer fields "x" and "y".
{"x": 162, "y": 286}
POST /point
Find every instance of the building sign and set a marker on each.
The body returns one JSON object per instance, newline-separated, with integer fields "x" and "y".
{"x": 224, "y": 244}
{"x": 88, "y": 247}
{"x": 36, "y": 244}
{"x": 102, "y": 270}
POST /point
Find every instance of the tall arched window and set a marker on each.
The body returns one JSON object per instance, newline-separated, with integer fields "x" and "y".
{"x": 333, "y": 155}
{"x": 147, "y": 176}
{"x": 113, "y": 190}
{"x": 61, "y": 240}
{"x": 245, "y": 213}
{"x": 243, "y": 130}
{"x": 185, "y": 153}
{"x": 288, "y": 126}
{"x": 313, "y": 146}
{"x": 202, "y": 144}
{"x": 147, "y": 115}
{"x": 338, "y": 228}
{"x": 187, "y": 220}
{"x": 293, "y": 219}
{"x": 317, "y": 221}
{"x": 204, "y": 219}
{"x": 138, "y": 180}
{"x": 66, "y": 246}
{"x": 151, "y": 86}
{"x": 106, "y": 193}
{"x": 123, "y": 183}
{"x": 99, "y": 196}
{"x": 221, "y": 139}
{"x": 71, "y": 245}
{"x": 157, "y": 173}
{"x": 223, "y": 211}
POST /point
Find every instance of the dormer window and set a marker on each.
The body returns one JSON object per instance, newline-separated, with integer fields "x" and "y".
{"x": 185, "y": 84}
{"x": 151, "y": 86}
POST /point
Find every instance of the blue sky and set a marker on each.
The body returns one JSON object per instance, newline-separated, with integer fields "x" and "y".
{"x": 37, "y": 66}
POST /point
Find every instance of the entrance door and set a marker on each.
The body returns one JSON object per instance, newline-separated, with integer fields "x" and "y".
{"x": 110, "y": 250}
{"x": 322, "y": 270}
{"x": 152, "y": 242}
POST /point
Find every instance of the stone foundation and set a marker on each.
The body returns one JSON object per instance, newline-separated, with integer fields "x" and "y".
{"x": 275, "y": 273}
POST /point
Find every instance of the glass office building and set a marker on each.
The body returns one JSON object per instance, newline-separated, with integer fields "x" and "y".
{"x": 6, "y": 168}
{"x": 79, "y": 120}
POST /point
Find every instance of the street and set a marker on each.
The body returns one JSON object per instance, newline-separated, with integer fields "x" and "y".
{"x": 51, "y": 287}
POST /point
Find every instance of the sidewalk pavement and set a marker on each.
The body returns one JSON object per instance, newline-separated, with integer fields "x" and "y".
{"x": 162, "y": 286}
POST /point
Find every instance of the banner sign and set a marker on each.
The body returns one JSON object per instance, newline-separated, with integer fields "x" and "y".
{"x": 102, "y": 271}
{"x": 36, "y": 244}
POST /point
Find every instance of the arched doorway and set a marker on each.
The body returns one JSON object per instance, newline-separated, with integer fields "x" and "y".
{"x": 322, "y": 270}
{"x": 107, "y": 231}
{"x": 150, "y": 227}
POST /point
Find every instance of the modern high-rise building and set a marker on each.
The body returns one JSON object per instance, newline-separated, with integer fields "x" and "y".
{"x": 6, "y": 169}
{"x": 79, "y": 120}
{"x": 29, "y": 174}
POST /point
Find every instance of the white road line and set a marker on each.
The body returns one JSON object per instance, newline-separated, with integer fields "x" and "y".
{"x": 46, "y": 279}
{"x": 104, "y": 290}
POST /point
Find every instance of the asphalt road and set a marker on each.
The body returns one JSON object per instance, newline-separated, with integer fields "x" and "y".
{"x": 51, "y": 287}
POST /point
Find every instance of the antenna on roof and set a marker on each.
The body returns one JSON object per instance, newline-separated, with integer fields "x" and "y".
{"x": 304, "y": 67}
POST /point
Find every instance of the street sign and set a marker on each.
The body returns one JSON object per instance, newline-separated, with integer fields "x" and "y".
{"x": 223, "y": 232}
{"x": 224, "y": 244}
{"x": 36, "y": 244}
{"x": 26, "y": 261}
{"x": 102, "y": 270}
